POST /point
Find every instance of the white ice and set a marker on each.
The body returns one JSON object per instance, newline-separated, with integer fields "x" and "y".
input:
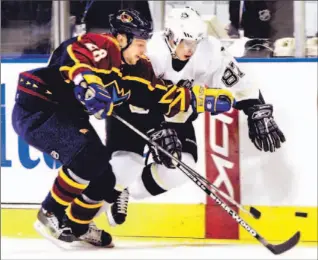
{"x": 43, "y": 249}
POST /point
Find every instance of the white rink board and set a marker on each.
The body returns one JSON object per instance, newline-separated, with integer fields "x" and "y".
{"x": 288, "y": 177}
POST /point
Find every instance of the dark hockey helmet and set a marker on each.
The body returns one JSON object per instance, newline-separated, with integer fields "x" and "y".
{"x": 131, "y": 23}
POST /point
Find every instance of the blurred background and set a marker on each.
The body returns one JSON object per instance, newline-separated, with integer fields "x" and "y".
{"x": 248, "y": 28}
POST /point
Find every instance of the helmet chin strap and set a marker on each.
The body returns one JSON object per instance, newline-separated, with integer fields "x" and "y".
{"x": 129, "y": 41}
{"x": 172, "y": 49}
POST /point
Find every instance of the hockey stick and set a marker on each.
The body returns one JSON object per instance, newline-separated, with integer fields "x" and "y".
{"x": 275, "y": 249}
{"x": 252, "y": 212}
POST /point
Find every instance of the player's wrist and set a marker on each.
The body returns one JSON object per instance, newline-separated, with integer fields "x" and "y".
{"x": 198, "y": 98}
{"x": 87, "y": 78}
{"x": 211, "y": 100}
{"x": 246, "y": 104}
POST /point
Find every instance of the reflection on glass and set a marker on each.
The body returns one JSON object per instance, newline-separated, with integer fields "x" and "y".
{"x": 26, "y": 27}
{"x": 256, "y": 28}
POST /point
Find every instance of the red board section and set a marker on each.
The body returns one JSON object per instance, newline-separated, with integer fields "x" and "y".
{"x": 223, "y": 170}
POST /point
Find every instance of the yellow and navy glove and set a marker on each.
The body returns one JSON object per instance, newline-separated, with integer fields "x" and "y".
{"x": 212, "y": 100}
{"x": 94, "y": 97}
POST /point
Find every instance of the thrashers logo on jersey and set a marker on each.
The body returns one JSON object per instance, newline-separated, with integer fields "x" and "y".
{"x": 118, "y": 95}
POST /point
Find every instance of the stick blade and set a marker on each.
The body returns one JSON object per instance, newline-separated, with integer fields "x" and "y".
{"x": 281, "y": 248}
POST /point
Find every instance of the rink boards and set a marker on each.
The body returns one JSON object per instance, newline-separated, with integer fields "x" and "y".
{"x": 278, "y": 184}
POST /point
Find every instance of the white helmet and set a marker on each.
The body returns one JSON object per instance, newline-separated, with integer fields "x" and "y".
{"x": 184, "y": 24}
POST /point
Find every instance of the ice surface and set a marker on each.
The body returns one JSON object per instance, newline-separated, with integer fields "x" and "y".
{"x": 15, "y": 248}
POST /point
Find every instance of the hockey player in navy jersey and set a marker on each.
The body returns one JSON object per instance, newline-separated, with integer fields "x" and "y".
{"x": 93, "y": 74}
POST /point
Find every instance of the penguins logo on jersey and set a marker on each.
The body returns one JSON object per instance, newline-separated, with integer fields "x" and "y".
{"x": 184, "y": 15}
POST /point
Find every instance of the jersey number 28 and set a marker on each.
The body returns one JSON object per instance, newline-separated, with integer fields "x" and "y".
{"x": 232, "y": 75}
{"x": 98, "y": 54}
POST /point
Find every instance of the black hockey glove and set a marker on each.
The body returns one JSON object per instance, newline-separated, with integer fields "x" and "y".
{"x": 263, "y": 130}
{"x": 167, "y": 138}
{"x": 185, "y": 83}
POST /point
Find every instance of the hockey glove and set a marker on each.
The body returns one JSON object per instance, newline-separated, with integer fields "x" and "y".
{"x": 95, "y": 98}
{"x": 167, "y": 138}
{"x": 263, "y": 130}
{"x": 215, "y": 101}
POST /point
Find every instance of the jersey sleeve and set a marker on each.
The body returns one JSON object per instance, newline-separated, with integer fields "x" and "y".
{"x": 226, "y": 73}
{"x": 148, "y": 91}
{"x": 90, "y": 54}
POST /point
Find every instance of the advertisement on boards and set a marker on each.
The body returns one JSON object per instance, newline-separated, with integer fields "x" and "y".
{"x": 25, "y": 172}
{"x": 223, "y": 171}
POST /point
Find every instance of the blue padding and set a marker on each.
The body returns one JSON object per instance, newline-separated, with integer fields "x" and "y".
{"x": 38, "y": 58}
